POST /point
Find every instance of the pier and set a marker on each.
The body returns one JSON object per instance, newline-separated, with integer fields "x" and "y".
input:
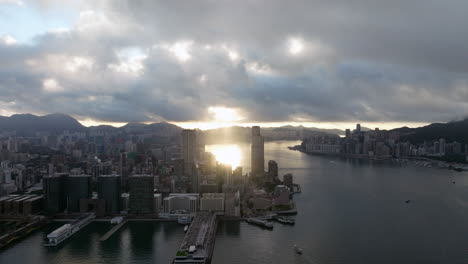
{"x": 112, "y": 231}
{"x": 198, "y": 244}
{"x": 62, "y": 233}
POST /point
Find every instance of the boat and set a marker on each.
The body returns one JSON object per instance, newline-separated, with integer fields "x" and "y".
{"x": 285, "y": 220}
{"x": 184, "y": 220}
{"x": 186, "y": 229}
{"x": 116, "y": 220}
{"x": 298, "y": 250}
{"x": 259, "y": 222}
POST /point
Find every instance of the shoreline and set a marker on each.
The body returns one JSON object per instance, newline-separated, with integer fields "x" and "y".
{"x": 428, "y": 163}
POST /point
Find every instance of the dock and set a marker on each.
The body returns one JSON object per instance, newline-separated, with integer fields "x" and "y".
{"x": 62, "y": 233}
{"x": 112, "y": 231}
{"x": 198, "y": 244}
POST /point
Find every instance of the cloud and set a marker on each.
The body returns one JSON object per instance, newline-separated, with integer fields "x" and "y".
{"x": 325, "y": 61}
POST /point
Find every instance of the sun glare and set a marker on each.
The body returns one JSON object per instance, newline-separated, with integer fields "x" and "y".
{"x": 224, "y": 114}
{"x": 227, "y": 154}
{"x": 295, "y": 46}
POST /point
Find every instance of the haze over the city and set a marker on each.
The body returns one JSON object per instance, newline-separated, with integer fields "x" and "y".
{"x": 209, "y": 64}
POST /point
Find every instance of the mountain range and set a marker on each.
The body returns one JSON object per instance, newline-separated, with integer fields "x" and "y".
{"x": 451, "y": 131}
{"x": 28, "y": 124}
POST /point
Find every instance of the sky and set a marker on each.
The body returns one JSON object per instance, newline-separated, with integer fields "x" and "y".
{"x": 211, "y": 63}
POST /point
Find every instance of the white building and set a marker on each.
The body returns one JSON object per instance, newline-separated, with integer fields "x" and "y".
{"x": 181, "y": 202}
{"x": 212, "y": 202}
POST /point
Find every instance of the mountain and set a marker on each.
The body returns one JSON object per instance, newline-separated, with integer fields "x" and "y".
{"x": 27, "y": 124}
{"x": 451, "y": 131}
{"x": 161, "y": 129}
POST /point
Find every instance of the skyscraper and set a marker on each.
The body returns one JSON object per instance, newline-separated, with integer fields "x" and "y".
{"x": 257, "y": 152}
{"x": 189, "y": 138}
{"x": 273, "y": 170}
{"x": 78, "y": 187}
{"x": 191, "y": 154}
{"x": 141, "y": 194}
{"x": 109, "y": 189}
{"x": 55, "y": 197}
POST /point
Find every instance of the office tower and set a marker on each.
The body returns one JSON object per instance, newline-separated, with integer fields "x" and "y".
{"x": 348, "y": 133}
{"x": 123, "y": 171}
{"x": 55, "y": 198}
{"x": 101, "y": 168}
{"x": 188, "y": 149}
{"x": 191, "y": 153}
{"x": 442, "y": 146}
{"x": 223, "y": 175}
{"x": 237, "y": 175}
{"x": 257, "y": 152}
{"x": 109, "y": 189}
{"x": 358, "y": 128}
{"x": 273, "y": 170}
{"x": 141, "y": 194}
{"x": 78, "y": 187}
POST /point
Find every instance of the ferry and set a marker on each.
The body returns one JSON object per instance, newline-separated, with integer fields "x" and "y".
{"x": 285, "y": 220}
{"x": 262, "y": 223}
{"x": 116, "y": 220}
{"x": 62, "y": 233}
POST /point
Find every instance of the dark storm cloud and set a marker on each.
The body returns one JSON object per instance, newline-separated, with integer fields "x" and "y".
{"x": 371, "y": 61}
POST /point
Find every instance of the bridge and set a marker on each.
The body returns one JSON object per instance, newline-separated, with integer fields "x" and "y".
{"x": 198, "y": 244}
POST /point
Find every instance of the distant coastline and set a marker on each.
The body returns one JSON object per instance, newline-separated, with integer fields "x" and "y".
{"x": 419, "y": 161}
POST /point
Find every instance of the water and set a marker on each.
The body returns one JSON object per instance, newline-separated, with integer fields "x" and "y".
{"x": 136, "y": 242}
{"x": 350, "y": 211}
{"x": 353, "y": 211}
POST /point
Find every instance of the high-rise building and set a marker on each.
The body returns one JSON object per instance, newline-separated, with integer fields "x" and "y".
{"x": 78, "y": 187}
{"x": 55, "y": 199}
{"x": 101, "y": 168}
{"x": 358, "y": 128}
{"x": 237, "y": 175}
{"x": 141, "y": 194}
{"x": 273, "y": 170}
{"x": 191, "y": 148}
{"x": 348, "y": 133}
{"x": 442, "y": 146}
{"x": 257, "y": 152}
{"x": 109, "y": 189}
{"x": 189, "y": 138}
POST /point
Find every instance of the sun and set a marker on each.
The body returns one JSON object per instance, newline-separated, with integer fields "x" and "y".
{"x": 295, "y": 46}
{"x": 224, "y": 114}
